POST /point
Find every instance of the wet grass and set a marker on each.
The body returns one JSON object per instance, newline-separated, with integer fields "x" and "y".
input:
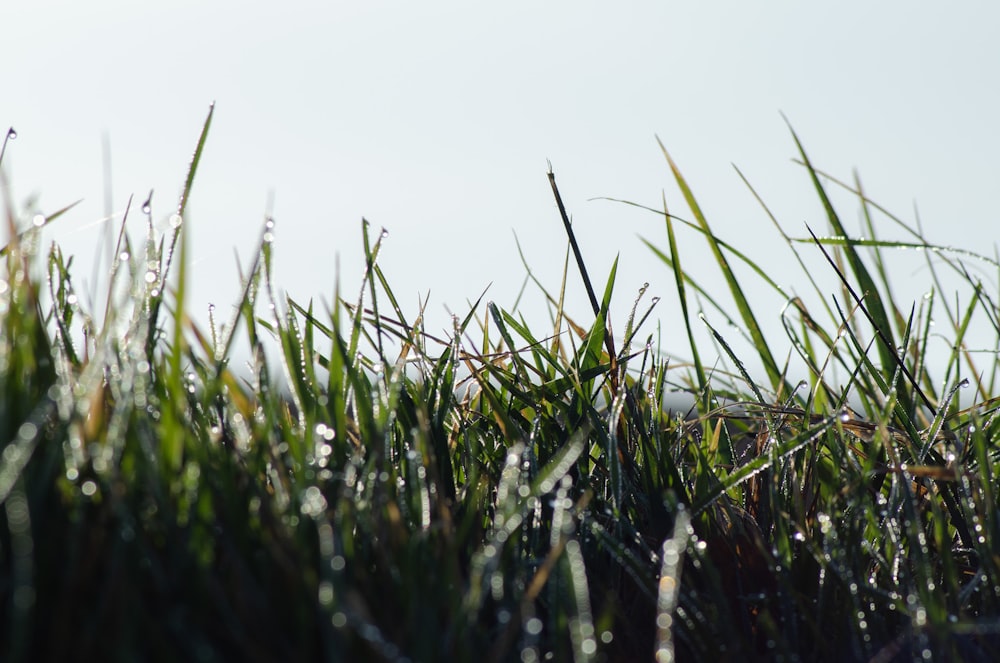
{"x": 499, "y": 494}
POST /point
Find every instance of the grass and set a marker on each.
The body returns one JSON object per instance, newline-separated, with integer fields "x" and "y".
{"x": 499, "y": 494}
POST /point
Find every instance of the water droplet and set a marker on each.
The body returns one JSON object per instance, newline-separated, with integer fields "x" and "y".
{"x": 150, "y": 277}
{"x": 385, "y": 233}
{"x": 11, "y": 134}
{"x": 176, "y": 220}
{"x": 533, "y": 626}
{"x": 38, "y": 221}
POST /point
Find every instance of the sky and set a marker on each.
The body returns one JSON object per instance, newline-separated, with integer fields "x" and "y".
{"x": 438, "y": 120}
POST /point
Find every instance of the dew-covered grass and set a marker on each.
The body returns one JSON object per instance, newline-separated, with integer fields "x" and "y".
{"x": 502, "y": 493}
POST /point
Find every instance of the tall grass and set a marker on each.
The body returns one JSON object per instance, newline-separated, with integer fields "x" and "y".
{"x": 498, "y": 494}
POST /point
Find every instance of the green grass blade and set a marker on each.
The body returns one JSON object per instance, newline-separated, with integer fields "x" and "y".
{"x": 872, "y": 295}
{"x": 679, "y": 274}
{"x": 742, "y": 304}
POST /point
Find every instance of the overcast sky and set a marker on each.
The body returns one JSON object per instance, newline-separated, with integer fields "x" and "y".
{"x": 435, "y": 120}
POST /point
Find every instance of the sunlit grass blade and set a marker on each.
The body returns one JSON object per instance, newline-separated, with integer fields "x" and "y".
{"x": 40, "y": 222}
{"x": 671, "y": 556}
{"x": 873, "y": 297}
{"x": 742, "y": 304}
{"x": 678, "y": 271}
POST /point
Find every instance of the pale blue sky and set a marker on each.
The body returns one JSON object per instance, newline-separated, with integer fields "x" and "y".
{"x": 435, "y": 121}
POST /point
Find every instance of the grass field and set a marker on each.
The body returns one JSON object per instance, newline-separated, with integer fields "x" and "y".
{"x": 504, "y": 493}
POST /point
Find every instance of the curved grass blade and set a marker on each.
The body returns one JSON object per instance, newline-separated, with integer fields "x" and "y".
{"x": 742, "y": 304}
{"x": 875, "y": 310}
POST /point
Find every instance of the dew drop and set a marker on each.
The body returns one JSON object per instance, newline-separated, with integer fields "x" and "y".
{"x": 176, "y": 220}
{"x": 268, "y": 236}
{"x": 38, "y": 221}
{"x": 326, "y": 593}
{"x": 11, "y": 134}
